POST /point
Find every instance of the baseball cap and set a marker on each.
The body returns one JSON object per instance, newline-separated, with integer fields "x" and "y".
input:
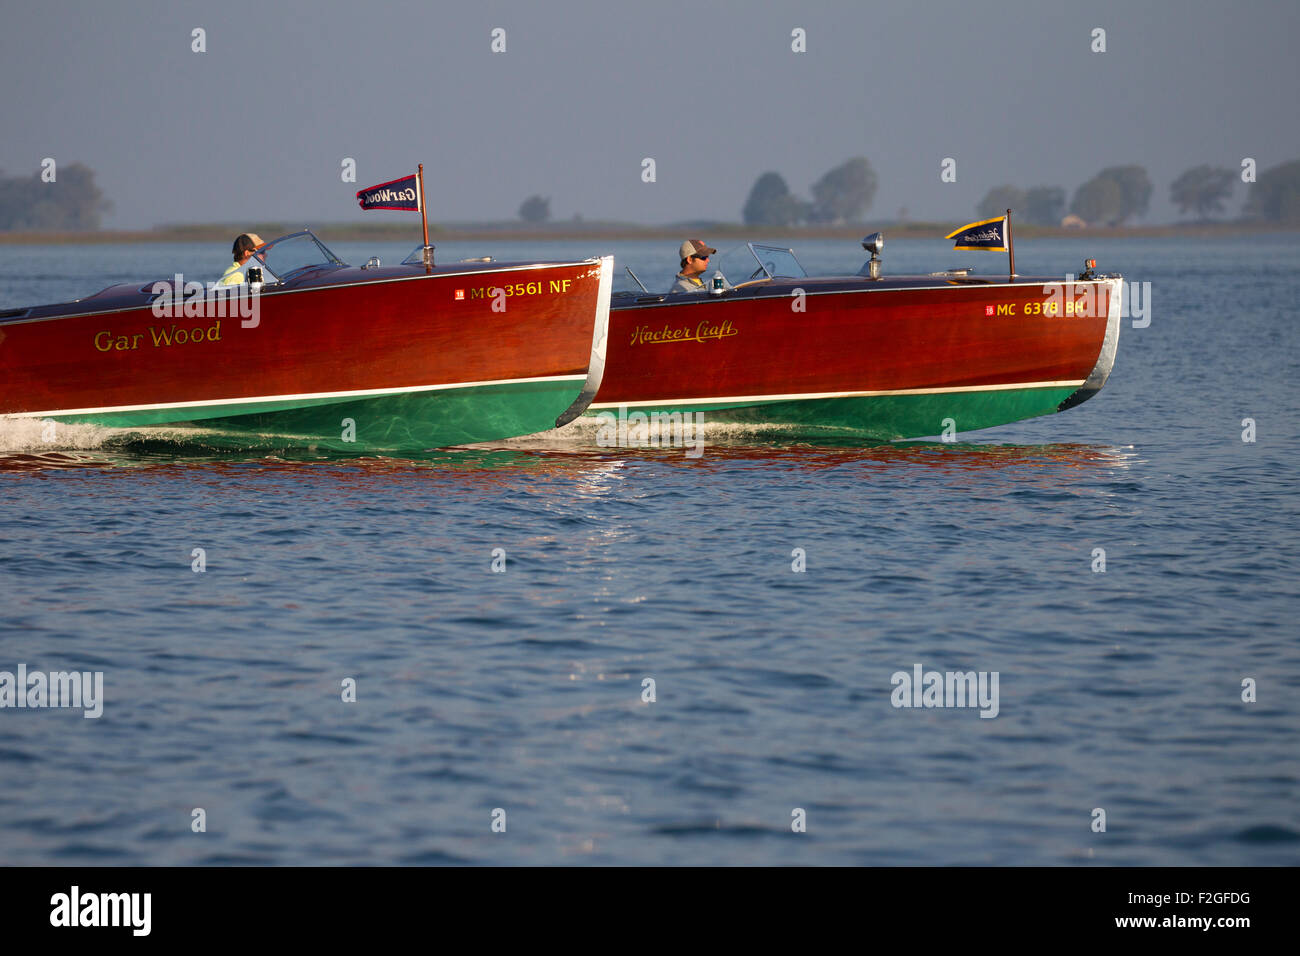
{"x": 695, "y": 247}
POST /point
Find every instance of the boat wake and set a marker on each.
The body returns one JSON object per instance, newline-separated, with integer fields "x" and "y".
{"x": 26, "y": 446}
{"x": 585, "y": 432}
{"x": 38, "y": 436}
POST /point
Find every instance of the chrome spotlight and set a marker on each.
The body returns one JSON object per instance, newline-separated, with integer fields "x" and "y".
{"x": 873, "y": 244}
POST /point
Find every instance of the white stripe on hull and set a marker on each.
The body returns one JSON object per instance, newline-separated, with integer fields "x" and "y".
{"x": 807, "y": 396}
{"x": 305, "y": 396}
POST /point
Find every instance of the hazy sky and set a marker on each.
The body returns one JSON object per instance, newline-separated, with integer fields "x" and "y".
{"x": 257, "y": 126}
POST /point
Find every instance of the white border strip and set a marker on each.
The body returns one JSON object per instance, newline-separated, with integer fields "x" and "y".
{"x": 362, "y": 393}
{"x": 805, "y": 396}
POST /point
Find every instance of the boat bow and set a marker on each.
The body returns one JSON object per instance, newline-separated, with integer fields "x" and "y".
{"x": 1109, "y": 346}
{"x": 599, "y": 337}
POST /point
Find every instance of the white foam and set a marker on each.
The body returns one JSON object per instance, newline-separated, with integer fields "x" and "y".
{"x": 40, "y": 435}
{"x": 583, "y": 431}
{"x": 45, "y": 435}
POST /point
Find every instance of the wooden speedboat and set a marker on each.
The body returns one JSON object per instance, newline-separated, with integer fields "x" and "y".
{"x": 376, "y": 358}
{"x": 879, "y": 357}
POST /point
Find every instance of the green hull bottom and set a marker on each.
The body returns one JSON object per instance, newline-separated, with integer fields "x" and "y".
{"x": 885, "y": 417}
{"x": 409, "y": 421}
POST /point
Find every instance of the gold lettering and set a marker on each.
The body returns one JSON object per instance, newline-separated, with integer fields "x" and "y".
{"x": 702, "y": 332}
{"x": 107, "y": 335}
{"x": 214, "y": 333}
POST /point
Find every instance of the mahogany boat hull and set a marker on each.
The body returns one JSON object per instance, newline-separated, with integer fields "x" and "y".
{"x": 876, "y": 359}
{"x": 356, "y": 360}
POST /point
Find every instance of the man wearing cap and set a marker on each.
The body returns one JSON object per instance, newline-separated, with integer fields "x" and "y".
{"x": 695, "y": 259}
{"x": 242, "y": 251}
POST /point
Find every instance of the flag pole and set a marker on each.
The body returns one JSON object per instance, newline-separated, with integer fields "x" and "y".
{"x": 1011, "y": 249}
{"x": 424, "y": 221}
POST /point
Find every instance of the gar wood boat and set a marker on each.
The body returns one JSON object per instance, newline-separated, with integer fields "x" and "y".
{"x": 882, "y": 358}
{"x": 320, "y": 353}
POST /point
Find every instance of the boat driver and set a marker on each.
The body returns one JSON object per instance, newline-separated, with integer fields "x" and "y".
{"x": 242, "y": 251}
{"x": 695, "y": 260}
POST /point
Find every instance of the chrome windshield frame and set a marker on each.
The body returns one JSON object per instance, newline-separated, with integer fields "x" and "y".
{"x": 330, "y": 258}
{"x": 768, "y": 267}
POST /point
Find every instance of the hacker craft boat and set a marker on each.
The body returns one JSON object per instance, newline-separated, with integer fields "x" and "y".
{"x": 882, "y": 358}
{"x": 320, "y": 353}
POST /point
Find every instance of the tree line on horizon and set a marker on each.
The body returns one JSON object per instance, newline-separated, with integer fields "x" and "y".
{"x": 1114, "y": 196}
{"x": 71, "y": 203}
{"x": 843, "y": 195}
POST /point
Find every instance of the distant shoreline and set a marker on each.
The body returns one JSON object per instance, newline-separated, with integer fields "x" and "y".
{"x": 514, "y": 231}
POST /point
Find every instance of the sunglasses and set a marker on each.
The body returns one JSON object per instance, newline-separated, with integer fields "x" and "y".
{"x": 704, "y": 257}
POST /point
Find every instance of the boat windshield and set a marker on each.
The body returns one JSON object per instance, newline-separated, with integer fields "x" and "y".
{"x": 777, "y": 262}
{"x": 284, "y": 256}
{"x": 419, "y": 256}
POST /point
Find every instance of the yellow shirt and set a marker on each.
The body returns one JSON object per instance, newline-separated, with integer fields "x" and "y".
{"x": 233, "y": 275}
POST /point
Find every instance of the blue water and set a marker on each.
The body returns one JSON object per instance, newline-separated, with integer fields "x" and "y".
{"x": 1119, "y": 690}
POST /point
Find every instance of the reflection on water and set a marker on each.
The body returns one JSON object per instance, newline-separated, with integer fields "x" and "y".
{"x": 574, "y": 453}
{"x": 1120, "y": 681}
{"x": 48, "y": 461}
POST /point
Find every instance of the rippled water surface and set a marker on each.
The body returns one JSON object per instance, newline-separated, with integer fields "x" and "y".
{"x": 523, "y": 690}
